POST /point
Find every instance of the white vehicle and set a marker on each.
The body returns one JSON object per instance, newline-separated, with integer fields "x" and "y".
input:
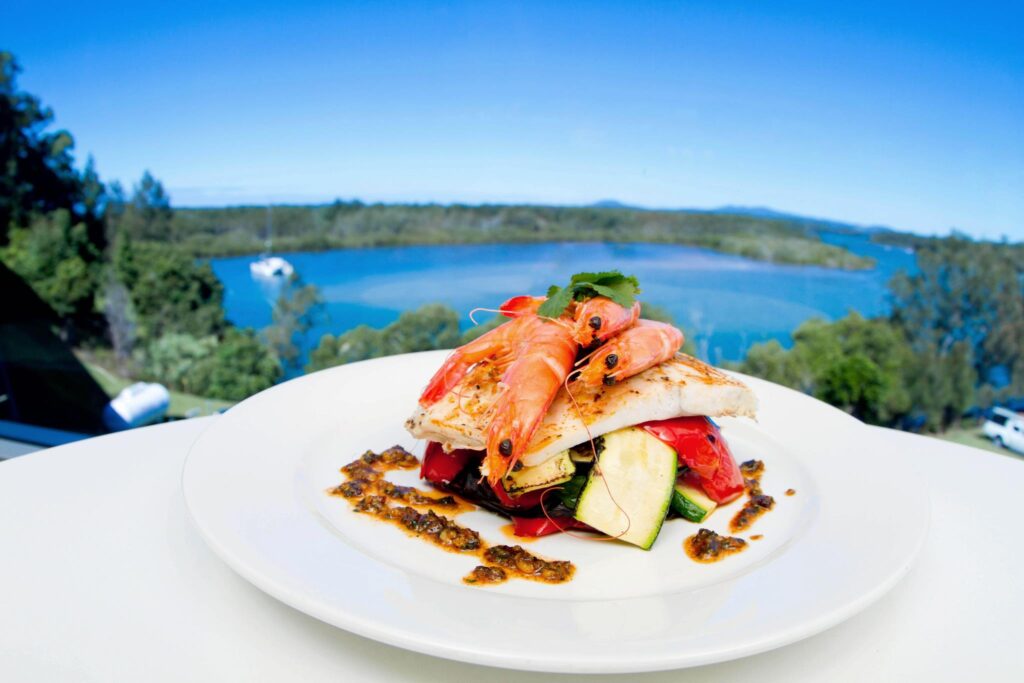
{"x": 1006, "y": 429}
{"x": 140, "y": 404}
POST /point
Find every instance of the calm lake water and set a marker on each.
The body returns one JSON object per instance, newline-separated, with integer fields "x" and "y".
{"x": 725, "y": 303}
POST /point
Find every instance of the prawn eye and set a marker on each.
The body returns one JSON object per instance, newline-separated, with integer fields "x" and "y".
{"x": 595, "y": 322}
{"x": 611, "y": 360}
{"x": 608, "y": 381}
{"x": 505, "y": 447}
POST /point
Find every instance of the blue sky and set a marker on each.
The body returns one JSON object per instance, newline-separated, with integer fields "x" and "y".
{"x": 910, "y": 115}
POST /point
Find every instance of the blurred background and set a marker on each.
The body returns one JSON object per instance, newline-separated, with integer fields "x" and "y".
{"x": 200, "y": 200}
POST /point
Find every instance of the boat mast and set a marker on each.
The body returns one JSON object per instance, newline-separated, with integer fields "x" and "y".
{"x": 268, "y": 243}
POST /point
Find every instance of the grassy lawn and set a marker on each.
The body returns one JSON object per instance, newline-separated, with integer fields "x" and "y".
{"x": 972, "y": 436}
{"x": 182, "y": 405}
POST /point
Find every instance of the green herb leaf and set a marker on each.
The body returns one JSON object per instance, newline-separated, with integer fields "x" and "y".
{"x": 556, "y": 303}
{"x": 622, "y": 289}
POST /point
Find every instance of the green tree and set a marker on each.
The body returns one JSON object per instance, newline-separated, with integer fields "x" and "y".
{"x": 37, "y": 172}
{"x": 238, "y": 367}
{"x": 433, "y": 326}
{"x": 297, "y": 310}
{"x": 856, "y": 364}
{"x": 770, "y": 361}
{"x": 121, "y": 321}
{"x": 170, "y": 292}
{"x": 170, "y": 358}
{"x": 56, "y": 257}
{"x": 148, "y": 215}
{"x": 964, "y": 291}
{"x": 942, "y": 383}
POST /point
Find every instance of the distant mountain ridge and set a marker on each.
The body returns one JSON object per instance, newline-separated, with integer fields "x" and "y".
{"x": 758, "y": 212}
{"x": 811, "y": 221}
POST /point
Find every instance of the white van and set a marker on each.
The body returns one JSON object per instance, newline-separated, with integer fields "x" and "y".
{"x": 1006, "y": 429}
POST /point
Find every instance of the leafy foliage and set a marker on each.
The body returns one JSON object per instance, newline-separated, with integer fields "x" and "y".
{"x": 296, "y": 312}
{"x": 170, "y": 292}
{"x": 170, "y": 358}
{"x": 239, "y": 366}
{"x": 433, "y": 326}
{"x": 55, "y": 256}
{"x": 969, "y": 293}
{"x": 37, "y": 173}
{"x": 856, "y": 364}
{"x": 147, "y": 215}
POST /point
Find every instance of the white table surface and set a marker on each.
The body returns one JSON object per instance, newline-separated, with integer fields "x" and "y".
{"x": 102, "y": 578}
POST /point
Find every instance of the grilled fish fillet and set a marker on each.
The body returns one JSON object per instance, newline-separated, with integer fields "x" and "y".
{"x": 680, "y": 386}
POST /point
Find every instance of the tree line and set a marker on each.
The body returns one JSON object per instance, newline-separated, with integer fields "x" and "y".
{"x": 343, "y": 224}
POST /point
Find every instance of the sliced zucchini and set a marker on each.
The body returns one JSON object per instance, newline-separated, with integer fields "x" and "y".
{"x": 584, "y": 452}
{"x": 555, "y": 470}
{"x": 628, "y": 492}
{"x": 690, "y": 502}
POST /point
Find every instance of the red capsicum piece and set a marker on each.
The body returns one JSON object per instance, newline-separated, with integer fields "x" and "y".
{"x": 699, "y": 445}
{"x": 439, "y": 467}
{"x": 532, "y": 527}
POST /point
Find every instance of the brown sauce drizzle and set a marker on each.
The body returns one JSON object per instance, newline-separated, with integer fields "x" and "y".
{"x": 370, "y": 493}
{"x": 790, "y": 492}
{"x": 757, "y": 502}
{"x": 707, "y": 546}
{"x": 517, "y": 561}
{"x": 756, "y": 537}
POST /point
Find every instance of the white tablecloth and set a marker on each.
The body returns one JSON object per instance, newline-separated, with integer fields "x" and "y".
{"x": 102, "y": 578}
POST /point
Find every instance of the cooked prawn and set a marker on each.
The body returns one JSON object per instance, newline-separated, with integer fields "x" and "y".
{"x": 630, "y": 352}
{"x": 600, "y": 319}
{"x": 544, "y": 357}
{"x": 521, "y": 305}
{"x": 498, "y": 345}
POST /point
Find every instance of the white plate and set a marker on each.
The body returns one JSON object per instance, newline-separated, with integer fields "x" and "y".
{"x": 255, "y": 485}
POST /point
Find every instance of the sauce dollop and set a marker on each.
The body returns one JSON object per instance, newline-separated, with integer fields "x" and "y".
{"x": 708, "y": 546}
{"x": 757, "y": 502}
{"x": 372, "y": 494}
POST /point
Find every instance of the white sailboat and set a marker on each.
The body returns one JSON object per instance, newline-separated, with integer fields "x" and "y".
{"x": 269, "y": 267}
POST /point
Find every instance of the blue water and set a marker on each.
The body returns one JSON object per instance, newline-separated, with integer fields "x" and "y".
{"x": 725, "y": 303}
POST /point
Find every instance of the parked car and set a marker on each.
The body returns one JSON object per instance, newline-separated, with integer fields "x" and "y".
{"x": 1006, "y": 429}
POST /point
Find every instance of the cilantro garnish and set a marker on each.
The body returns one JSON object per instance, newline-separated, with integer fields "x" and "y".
{"x": 622, "y": 289}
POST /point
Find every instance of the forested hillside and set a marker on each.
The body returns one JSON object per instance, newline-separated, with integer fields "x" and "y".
{"x": 241, "y": 230}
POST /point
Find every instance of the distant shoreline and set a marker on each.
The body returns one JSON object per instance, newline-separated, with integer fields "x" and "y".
{"x": 240, "y": 231}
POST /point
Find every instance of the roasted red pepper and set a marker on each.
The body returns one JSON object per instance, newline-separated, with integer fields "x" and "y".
{"x": 699, "y": 445}
{"x": 439, "y": 467}
{"x": 532, "y": 527}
